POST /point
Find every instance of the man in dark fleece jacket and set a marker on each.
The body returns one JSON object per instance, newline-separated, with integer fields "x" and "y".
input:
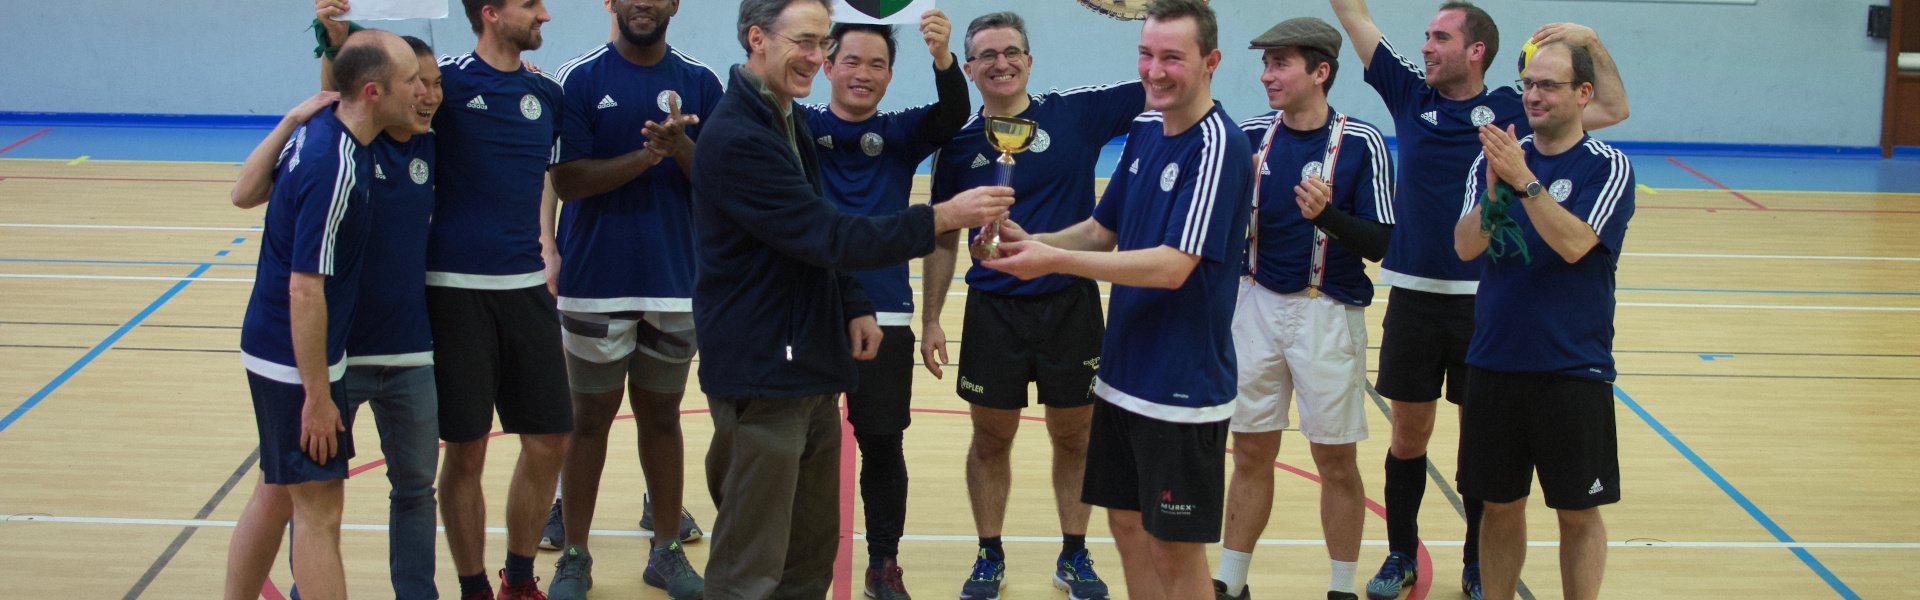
{"x": 781, "y": 318}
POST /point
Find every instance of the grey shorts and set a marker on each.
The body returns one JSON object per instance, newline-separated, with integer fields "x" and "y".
{"x": 650, "y": 351}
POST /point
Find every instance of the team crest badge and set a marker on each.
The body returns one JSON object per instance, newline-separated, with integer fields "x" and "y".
{"x": 1309, "y": 170}
{"x": 418, "y": 171}
{"x": 871, "y": 143}
{"x": 666, "y": 100}
{"x": 1560, "y": 190}
{"x": 530, "y": 107}
{"x": 1482, "y": 115}
{"x": 1040, "y": 140}
{"x": 1168, "y": 176}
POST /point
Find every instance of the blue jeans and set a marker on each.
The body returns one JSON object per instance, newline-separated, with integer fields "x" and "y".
{"x": 406, "y": 410}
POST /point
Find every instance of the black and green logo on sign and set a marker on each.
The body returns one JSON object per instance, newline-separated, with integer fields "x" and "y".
{"x": 879, "y": 9}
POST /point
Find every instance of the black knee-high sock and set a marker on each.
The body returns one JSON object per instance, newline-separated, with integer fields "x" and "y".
{"x": 1406, "y": 486}
{"x": 1474, "y": 509}
{"x": 883, "y": 488}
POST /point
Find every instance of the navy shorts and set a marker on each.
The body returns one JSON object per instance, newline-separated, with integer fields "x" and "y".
{"x": 276, "y": 412}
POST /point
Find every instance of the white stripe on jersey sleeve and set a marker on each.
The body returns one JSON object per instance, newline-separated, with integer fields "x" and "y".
{"x": 1213, "y": 153}
{"x": 1416, "y": 69}
{"x": 696, "y": 62}
{"x": 1382, "y": 171}
{"x": 1093, "y": 88}
{"x": 1152, "y": 116}
{"x": 343, "y": 181}
{"x": 567, "y": 68}
{"x": 1619, "y": 171}
{"x": 1473, "y": 184}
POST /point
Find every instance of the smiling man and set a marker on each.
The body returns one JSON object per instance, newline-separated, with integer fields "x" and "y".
{"x": 1176, "y": 212}
{"x": 773, "y": 289}
{"x": 1438, "y": 107}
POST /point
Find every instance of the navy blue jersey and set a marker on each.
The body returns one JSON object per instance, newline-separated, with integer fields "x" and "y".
{"x": 497, "y": 133}
{"x": 1438, "y": 139}
{"x": 630, "y": 249}
{"x": 317, "y": 222}
{"x": 1053, "y": 180}
{"x": 1548, "y": 316}
{"x": 390, "y": 320}
{"x": 867, "y": 169}
{"x": 1362, "y": 185}
{"x": 1168, "y": 354}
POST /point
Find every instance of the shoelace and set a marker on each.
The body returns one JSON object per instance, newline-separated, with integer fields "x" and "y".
{"x": 891, "y": 579}
{"x": 673, "y": 563}
{"x": 983, "y": 569}
{"x": 1082, "y": 567}
{"x": 1396, "y": 568}
{"x": 571, "y": 569}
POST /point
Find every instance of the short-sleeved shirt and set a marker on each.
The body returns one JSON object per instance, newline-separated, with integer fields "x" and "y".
{"x": 1362, "y": 185}
{"x": 1548, "y": 316}
{"x": 1438, "y": 139}
{"x": 629, "y": 249}
{"x": 867, "y": 169}
{"x": 317, "y": 222}
{"x": 497, "y": 134}
{"x": 390, "y": 320}
{"x": 1168, "y": 354}
{"x": 1053, "y": 180}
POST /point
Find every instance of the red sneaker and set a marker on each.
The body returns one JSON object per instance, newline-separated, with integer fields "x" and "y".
{"x": 530, "y": 590}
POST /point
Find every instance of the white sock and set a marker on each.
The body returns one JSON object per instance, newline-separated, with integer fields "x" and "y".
{"x": 1233, "y": 570}
{"x": 1342, "y": 580}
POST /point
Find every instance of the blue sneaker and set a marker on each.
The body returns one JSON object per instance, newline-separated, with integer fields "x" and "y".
{"x": 668, "y": 569}
{"x": 553, "y": 535}
{"x": 989, "y": 575}
{"x": 1074, "y": 575}
{"x": 1397, "y": 573}
{"x": 1470, "y": 580}
{"x": 572, "y": 576}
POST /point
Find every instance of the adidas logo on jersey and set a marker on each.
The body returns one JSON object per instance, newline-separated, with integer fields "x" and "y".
{"x": 825, "y": 141}
{"x": 477, "y": 104}
{"x": 607, "y": 102}
{"x": 980, "y": 161}
{"x": 1264, "y": 170}
{"x": 1431, "y": 117}
{"x": 1597, "y": 488}
{"x": 1135, "y": 167}
{"x": 379, "y": 174}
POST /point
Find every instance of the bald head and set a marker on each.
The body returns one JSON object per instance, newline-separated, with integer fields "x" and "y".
{"x": 369, "y": 56}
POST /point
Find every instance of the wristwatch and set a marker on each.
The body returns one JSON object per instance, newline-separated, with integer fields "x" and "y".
{"x": 1534, "y": 189}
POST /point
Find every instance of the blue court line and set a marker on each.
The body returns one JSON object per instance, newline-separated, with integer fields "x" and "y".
{"x": 239, "y": 240}
{"x": 220, "y": 253}
{"x": 170, "y": 263}
{"x": 99, "y": 348}
{"x": 1738, "y": 498}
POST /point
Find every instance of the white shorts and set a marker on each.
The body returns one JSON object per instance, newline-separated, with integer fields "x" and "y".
{"x": 1314, "y": 345}
{"x": 603, "y": 338}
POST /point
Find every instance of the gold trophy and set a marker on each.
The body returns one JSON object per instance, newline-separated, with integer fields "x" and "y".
{"x": 1010, "y": 135}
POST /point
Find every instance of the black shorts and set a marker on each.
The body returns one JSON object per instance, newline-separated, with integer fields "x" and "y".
{"x": 1423, "y": 340}
{"x": 498, "y": 350}
{"x": 1173, "y": 474}
{"x": 1051, "y": 339}
{"x": 879, "y": 406}
{"x": 1559, "y": 424}
{"x": 277, "y": 409}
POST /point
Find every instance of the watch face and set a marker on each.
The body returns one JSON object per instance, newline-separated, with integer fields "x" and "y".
{"x": 1534, "y": 189}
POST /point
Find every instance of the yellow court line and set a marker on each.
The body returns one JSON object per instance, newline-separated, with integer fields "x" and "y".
{"x": 83, "y": 158}
{"x": 1648, "y": 190}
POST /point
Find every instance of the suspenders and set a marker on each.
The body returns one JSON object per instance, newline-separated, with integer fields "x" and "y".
{"x": 1317, "y": 273}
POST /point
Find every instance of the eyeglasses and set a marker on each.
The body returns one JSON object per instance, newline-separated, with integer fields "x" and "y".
{"x": 807, "y": 45}
{"x": 1527, "y": 85}
{"x": 989, "y": 56}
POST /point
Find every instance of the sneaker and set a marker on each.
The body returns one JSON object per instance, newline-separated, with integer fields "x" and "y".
{"x": 554, "y": 535}
{"x": 689, "y": 530}
{"x": 1397, "y": 572}
{"x": 668, "y": 569}
{"x": 530, "y": 590}
{"x": 989, "y": 575}
{"x": 485, "y": 595}
{"x": 1074, "y": 575}
{"x": 572, "y": 576}
{"x": 1220, "y": 591}
{"x": 1470, "y": 580}
{"x": 884, "y": 583}
{"x": 1333, "y": 595}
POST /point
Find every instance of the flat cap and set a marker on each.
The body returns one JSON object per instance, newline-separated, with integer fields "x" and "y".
{"x": 1300, "y": 32}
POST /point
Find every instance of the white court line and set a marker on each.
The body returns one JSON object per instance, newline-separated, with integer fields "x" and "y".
{"x": 1102, "y": 296}
{"x": 1637, "y": 543}
{"x": 1768, "y": 256}
{"x": 134, "y": 227}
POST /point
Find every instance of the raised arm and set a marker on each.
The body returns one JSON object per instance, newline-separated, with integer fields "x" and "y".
{"x": 255, "y": 184}
{"x": 1361, "y": 31}
{"x": 949, "y": 113}
{"x": 1609, "y": 105}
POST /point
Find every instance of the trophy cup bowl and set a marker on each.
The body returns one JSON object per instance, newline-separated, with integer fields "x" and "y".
{"x": 1010, "y": 135}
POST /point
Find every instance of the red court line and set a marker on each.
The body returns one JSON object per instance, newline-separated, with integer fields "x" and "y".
{"x": 25, "y": 140}
{"x": 132, "y": 179}
{"x": 1676, "y": 162}
{"x": 843, "y": 563}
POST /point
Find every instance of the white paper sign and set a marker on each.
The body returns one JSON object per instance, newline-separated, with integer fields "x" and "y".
{"x": 884, "y": 12}
{"x": 390, "y": 10}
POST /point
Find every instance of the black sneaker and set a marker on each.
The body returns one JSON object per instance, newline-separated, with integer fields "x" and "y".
{"x": 885, "y": 583}
{"x": 1220, "y": 591}
{"x": 689, "y": 530}
{"x": 554, "y": 535}
{"x": 1332, "y": 595}
{"x": 572, "y": 576}
{"x": 668, "y": 569}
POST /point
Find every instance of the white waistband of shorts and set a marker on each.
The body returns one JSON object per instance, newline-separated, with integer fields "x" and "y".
{"x": 485, "y": 282}
{"x": 1432, "y": 286}
{"x": 411, "y": 359}
{"x": 286, "y": 373}
{"x": 894, "y": 319}
{"x": 628, "y": 304}
{"x": 1165, "y": 412}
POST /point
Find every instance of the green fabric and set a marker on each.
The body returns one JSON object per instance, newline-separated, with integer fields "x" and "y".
{"x": 322, "y": 45}
{"x": 1503, "y": 233}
